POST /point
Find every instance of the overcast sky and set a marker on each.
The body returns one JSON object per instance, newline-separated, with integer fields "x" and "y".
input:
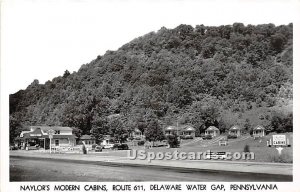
{"x": 42, "y": 38}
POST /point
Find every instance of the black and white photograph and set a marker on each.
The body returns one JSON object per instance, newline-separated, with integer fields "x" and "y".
{"x": 146, "y": 91}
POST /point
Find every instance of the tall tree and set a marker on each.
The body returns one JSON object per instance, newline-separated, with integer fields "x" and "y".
{"x": 117, "y": 129}
{"x": 99, "y": 129}
{"x": 154, "y": 132}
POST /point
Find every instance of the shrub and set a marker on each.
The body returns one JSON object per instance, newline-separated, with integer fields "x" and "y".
{"x": 207, "y": 137}
{"x": 130, "y": 138}
{"x": 246, "y": 148}
{"x": 173, "y": 141}
{"x": 182, "y": 137}
{"x": 188, "y": 137}
{"x": 251, "y": 132}
{"x": 94, "y": 146}
{"x": 231, "y": 136}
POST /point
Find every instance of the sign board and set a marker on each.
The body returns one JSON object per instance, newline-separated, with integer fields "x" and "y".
{"x": 51, "y": 133}
{"x": 279, "y": 140}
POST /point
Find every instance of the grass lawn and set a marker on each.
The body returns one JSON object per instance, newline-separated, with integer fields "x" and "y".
{"x": 259, "y": 147}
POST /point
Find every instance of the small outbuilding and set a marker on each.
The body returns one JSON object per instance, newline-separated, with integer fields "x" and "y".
{"x": 136, "y": 133}
{"x": 213, "y": 131}
{"x": 184, "y": 131}
{"x": 259, "y": 131}
{"x": 108, "y": 140}
{"x": 188, "y": 131}
{"x": 170, "y": 130}
{"x": 235, "y": 130}
{"x": 87, "y": 139}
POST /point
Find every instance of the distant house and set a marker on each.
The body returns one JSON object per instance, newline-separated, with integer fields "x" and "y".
{"x": 235, "y": 130}
{"x": 185, "y": 131}
{"x": 136, "y": 133}
{"x": 87, "y": 139}
{"x": 170, "y": 130}
{"x": 259, "y": 131}
{"x": 38, "y": 136}
{"x": 213, "y": 131}
{"x": 108, "y": 140}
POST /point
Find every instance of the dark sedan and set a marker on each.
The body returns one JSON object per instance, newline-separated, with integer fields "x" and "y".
{"x": 119, "y": 146}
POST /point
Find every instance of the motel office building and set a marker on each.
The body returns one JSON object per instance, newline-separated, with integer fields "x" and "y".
{"x": 38, "y": 137}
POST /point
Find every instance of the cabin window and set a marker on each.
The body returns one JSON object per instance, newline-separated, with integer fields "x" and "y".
{"x": 56, "y": 142}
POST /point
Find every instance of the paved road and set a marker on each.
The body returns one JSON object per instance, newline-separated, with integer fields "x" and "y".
{"x": 24, "y": 169}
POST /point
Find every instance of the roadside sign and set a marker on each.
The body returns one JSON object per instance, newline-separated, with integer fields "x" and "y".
{"x": 279, "y": 140}
{"x": 279, "y": 149}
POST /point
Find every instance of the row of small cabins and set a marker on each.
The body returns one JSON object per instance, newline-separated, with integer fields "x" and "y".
{"x": 64, "y": 137}
{"x": 186, "y": 130}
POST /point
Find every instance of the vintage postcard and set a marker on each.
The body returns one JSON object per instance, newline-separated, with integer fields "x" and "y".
{"x": 149, "y": 95}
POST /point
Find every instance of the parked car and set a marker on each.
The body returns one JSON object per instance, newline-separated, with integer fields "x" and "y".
{"x": 108, "y": 146}
{"x": 119, "y": 146}
{"x": 207, "y": 137}
{"x": 32, "y": 147}
{"x": 140, "y": 143}
{"x": 98, "y": 148}
{"x": 13, "y": 147}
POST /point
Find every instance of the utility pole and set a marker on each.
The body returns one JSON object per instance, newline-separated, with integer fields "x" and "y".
{"x": 178, "y": 136}
{"x": 50, "y": 134}
{"x": 177, "y": 128}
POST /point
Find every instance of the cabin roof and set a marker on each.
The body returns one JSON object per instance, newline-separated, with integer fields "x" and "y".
{"x": 55, "y": 128}
{"x": 235, "y": 127}
{"x": 180, "y": 128}
{"x": 259, "y": 127}
{"x": 212, "y": 128}
{"x": 87, "y": 137}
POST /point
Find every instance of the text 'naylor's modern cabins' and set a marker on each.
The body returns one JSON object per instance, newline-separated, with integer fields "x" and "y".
{"x": 38, "y": 136}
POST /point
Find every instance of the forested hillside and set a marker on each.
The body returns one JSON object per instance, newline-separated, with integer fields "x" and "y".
{"x": 201, "y": 76}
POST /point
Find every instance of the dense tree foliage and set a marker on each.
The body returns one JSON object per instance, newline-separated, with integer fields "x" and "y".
{"x": 203, "y": 76}
{"x": 154, "y": 132}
